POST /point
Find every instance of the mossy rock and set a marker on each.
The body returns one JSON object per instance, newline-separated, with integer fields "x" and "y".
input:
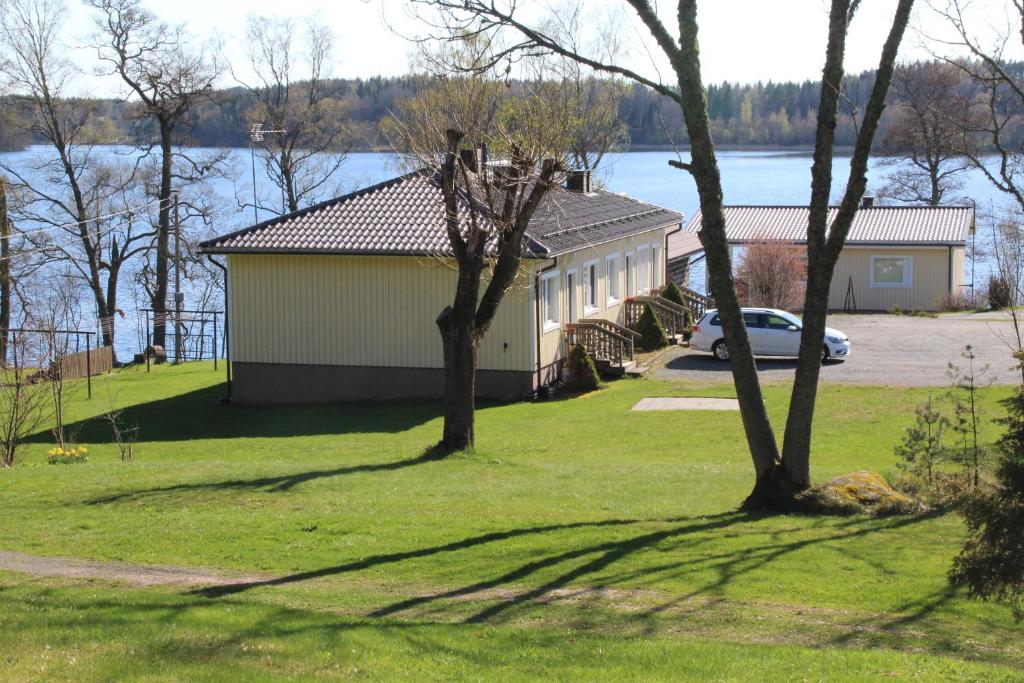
{"x": 857, "y": 493}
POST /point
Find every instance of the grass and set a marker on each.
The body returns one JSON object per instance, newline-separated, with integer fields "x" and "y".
{"x": 578, "y": 541}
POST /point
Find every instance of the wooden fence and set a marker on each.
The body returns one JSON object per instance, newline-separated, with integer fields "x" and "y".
{"x": 86, "y": 363}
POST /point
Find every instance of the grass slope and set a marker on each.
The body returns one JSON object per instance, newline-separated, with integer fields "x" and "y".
{"x": 580, "y": 540}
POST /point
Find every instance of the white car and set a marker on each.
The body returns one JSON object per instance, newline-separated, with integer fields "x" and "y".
{"x": 772, "y": 333}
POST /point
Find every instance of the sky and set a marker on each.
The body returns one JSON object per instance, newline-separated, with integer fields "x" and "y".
{"x": 741, "y": 40}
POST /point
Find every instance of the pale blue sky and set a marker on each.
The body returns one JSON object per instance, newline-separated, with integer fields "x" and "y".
{"x": 741, "y": 40}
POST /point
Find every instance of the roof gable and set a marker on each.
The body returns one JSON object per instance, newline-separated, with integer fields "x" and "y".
{"x": 911, "y": 225}
{"x": 405, "y": 215}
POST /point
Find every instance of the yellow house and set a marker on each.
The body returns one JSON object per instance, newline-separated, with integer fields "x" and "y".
{"x": 906, "y": 256}
{"x": 338, "y": 301}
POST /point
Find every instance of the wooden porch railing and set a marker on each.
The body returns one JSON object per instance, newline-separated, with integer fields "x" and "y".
{"x": 604, "y": 339}
{"x": 697, "y": 303}
{"x": 673, "y": 317}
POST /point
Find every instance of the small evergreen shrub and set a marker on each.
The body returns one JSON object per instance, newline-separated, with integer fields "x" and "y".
{"x": 1000, "y": 293}
{"x": 652, "y": 334}
{"x": 581, "y": 371}
{"x": 673, "y": 294}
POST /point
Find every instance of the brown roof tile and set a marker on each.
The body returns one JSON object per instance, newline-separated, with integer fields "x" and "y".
{"x": 405, "y": 215}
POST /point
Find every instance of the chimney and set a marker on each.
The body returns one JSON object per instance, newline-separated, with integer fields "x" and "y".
{"x": 867, "y": 202}
{"x": 578, "y": 181}
{"x": 474, "y": 158}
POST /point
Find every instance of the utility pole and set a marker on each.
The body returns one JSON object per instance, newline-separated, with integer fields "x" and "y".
{"x": 178, "y": 298}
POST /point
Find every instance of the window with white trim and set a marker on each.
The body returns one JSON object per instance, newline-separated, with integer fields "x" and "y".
{"x": 549, "y": 303}
{"x": 643, "y": 268}
{"x": 892, "y": 272}
{"x": 589, "y": 287}
{"x": 612, "y": 279}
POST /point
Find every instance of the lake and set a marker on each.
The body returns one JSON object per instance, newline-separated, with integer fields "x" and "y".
{"x": 748, "y": 177}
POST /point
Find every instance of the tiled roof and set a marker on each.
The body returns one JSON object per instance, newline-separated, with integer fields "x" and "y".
{"x": 683, "y": 243}
{"x": 922, "y": 225}
{"x": 405, "y": 215}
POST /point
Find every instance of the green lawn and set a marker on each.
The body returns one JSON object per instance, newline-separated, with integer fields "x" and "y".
{"x": 580, "y": 541}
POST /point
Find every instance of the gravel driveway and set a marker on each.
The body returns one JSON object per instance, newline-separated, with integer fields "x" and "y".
{"x": 885, "y": 349}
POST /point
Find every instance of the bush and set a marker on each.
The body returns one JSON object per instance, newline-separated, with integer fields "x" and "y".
{"x": 962, "y": 300}
{"x": 992, "y": 560}
{"x": 652, "y": 334}
{"x": 1000, "y": 292}
{"x": 673, "y": 294}
{"x": 581, "y": 371}
{"x": 771, "y": 274}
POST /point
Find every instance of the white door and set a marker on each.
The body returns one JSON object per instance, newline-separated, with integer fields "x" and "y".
{"x": 753, "y": 324}
{"x": 779, "y": 336}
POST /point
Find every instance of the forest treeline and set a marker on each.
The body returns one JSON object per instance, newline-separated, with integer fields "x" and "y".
{"x": 759, "y": 114}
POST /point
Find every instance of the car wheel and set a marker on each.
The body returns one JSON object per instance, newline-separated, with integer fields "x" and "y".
{"x": 720, "y": 351}
{"x": 824, "y": 353}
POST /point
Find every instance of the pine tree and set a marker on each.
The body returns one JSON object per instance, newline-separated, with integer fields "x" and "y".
{"x": 991, "y": 563}
{"x": 922, "y": 447}
{"x": 652, "y": 334}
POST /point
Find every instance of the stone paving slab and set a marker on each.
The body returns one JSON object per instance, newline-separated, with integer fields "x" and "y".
{"x": 689, "y": 403}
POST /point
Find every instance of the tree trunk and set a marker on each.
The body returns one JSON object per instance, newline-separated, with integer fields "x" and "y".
{"x": 704, "y": 169}
{"x": 460, "y": 342}
{"x": 460, "y": 356}
{"x": 159, "y": 293}
{"x": 5, "y": 274}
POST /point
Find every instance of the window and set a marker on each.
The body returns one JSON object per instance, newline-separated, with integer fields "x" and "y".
{"x": 630, "y": 282}
{"x": 589, "y": 287}
{"x": 774, "y": 322}
{"x": 751, "y": 321}
{"x": 643, "y": 268}
{"x": 655, "y": 265}
{"x": 549, "y": 300}
{"x": 892, "y": 272}
{"x": 612, "y": 284}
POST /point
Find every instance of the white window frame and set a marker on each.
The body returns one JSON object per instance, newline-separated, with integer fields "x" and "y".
{"x": 591, "y": 298}
{"x": 570, "y": 294}
{"x": 613, "y": 283}
{"x": 629, "y": 265}
{"x": 908, "y": 272}
{"x": 643, "y": 269}
{"x": 655, "y": 270}
{"x": 547, "y": 280}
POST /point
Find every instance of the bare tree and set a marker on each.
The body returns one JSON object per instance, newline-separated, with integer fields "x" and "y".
{"x": 925, "y": 143}
{"x": 24, "y": 401}
{"x": 85, "y": 202}
{"x": 298, "y": 103}
{"x": 976, "y": 45}
{"x": 487, "y": 209}
{"x": 769, "y": 274}
{"x": 6, "y": 288}
{"x": 169, "y": 78}
{"x": 779, "y": 477}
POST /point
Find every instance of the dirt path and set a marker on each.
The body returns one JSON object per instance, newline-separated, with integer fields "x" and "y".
{"x": 133, "y": 574}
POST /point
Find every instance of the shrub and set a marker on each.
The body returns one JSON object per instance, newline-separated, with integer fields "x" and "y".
{"x": 896, "y": 310}
{"x": 922, "y": 447}
{"x": 673, "y": 294}
{"x": 771, "y": 274}
{"x": 652, "y": 334}
{"x": 962, "y": 300}
{"x": 992, "y": 560}
{"x": 581, "y": 371}
{"x": 1000, "y": 292}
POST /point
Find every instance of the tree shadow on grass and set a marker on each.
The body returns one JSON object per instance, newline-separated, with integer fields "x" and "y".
{"x": 275, "y": 484}
{"x": 198, "y": 415}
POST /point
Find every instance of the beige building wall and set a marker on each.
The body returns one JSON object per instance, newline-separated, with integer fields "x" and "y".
{"x": 651, "y": 244}
{"x": 373, "y": 311}
{"x": 930, "y": 278}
